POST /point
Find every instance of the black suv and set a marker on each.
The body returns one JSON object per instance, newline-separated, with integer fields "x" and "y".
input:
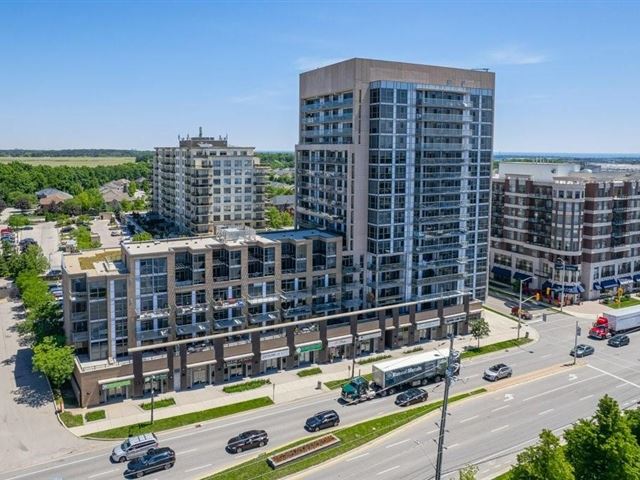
{"x": 247, "y": 440}
{"x": 157, "y": 459}
{"x": 618, "y": 341}
{"x": 326, "y": 419}
{"x": 411, "y": 396}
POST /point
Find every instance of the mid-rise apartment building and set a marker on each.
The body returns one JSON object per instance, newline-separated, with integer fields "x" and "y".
{"x": 555, "y": 220}
{"x": 396, "y": 158}
{"x": 204, "y": 183}
{"x": 211, "y": 309}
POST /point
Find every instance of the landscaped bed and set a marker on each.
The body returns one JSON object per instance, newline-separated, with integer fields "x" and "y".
{"x": 70, "y": 420}
{"x": 309, "y": 371}
{"x": 95, "y": 415}
{"x": 242, "y": 387}
{"x": 300, "y": 451}
{"x": 495, "y": 347}
{"x": 165, "y": 402}
{"x": 377, "y": 358}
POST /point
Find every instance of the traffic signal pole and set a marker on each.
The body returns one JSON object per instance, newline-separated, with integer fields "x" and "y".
{"x": 445, "y": 403}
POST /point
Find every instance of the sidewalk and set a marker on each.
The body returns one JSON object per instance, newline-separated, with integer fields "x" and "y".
{"x": 286, "y": 385}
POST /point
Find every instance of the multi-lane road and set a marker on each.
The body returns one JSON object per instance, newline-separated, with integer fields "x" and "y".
{"x": 487, "y": 430}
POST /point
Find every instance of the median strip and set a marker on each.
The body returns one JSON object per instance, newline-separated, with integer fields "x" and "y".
{"x": 350, "y": 438}
{"x": 181, "y": 420}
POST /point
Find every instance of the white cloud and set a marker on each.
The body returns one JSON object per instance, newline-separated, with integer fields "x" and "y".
{"x": 309, "y": 63}
{"x": 515, "y": 55}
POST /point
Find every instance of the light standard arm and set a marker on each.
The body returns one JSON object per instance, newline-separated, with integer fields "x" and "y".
{"x": 520, "y": 303}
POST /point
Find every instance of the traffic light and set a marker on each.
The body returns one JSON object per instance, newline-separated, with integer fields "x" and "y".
{"x": 538, "y": 296}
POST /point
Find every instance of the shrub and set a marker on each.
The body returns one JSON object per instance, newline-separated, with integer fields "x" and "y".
{"x": 242, "y": 387}
{"x": 309, "y": 371}
{"x": 95, "y": 415}
{"x": 377, "y": 358}
{"x": 165, "y": 402}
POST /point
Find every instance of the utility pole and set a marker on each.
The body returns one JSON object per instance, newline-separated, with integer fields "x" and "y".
{"x": 153, "y": 394}
{"x": 353, "y": 357}
{"x": 445, "y": 403}
{"x": 520, "y": 304}
{"x": 575, "y": 343}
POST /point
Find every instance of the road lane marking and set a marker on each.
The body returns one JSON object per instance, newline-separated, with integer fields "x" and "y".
{"x": 398, "y": 443}
{"x": 604, "y": 372}
{"x": 198, "y": 468}
{"x": 102, "y": 473}
{"x": 66, "y": 464}
{"x": 452, "y": 446}
{"x": 508, "y": 397}
{"x": 432, "y": 431}
{"x": 532, "y": 397}
{"x": 500, "y": 408}
{"x": 572, "y": 377}
{"x": 388, "y": 470}
{"x": 474, "y": 375}
{"x": 504, "y": 427}
{"x": 586, "y": 397}
{"x": 547, "y": 355}
{"x": 546, "y": 411}
{"x": 621, "y": 385}
{"x": 355, "y": 458}
{"x": 469, "y": 419}
{"x": 187, "y": 451}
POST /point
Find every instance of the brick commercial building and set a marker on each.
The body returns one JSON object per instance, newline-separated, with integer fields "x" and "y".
{"x": 218, "y": 308}
{"x": 205, "y": 183}
{"x": 550, "y": 218}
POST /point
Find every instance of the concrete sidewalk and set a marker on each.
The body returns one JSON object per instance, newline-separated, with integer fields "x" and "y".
{"x": 286, "y": 385}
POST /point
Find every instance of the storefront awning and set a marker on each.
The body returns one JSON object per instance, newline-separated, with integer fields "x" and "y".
{"x": 242, "y": 356}
{"x": 116, "y": 382}
{"x": 501, "y": 272}
{"x": 636, "y": 277}
{"x": 611, "y": 283}
{"x": 625, "y": 281}
{"x": 597, "y": 286}
{"x": 523, "y": 277}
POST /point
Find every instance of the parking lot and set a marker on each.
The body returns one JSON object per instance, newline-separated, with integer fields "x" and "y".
{"x": 101, "y": 227}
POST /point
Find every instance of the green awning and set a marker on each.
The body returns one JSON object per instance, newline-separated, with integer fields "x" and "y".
{"x": 118, "y": 384}
{"x": 309, "y": 348}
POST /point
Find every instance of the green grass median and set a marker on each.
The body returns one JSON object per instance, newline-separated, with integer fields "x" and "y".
{"x": 495, "y": 347}
{"x": 333, "y": 384}
{"x": 351, "y": 437}
{"x": 243, "y": 387}
{"x": 165, "y": 402}
{"x": 182, "y": 420}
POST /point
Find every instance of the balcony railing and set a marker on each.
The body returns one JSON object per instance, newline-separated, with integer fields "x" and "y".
{"x": 295, "y": 294}
{"x": 263, "y": 317}
{"x": 163, "y": 312}
{"x": 297, "y": 311}
{"x": 201, "y": 327}
{"x": 326, "y": 290}
{"x": 227, "y": 303}
{"x": 260, "y": 298}
{"x": 197, "y": 308}
{"x": 325, "y": 307}
{"x": 442, "y": 102}
{"x": 142, "y": 335}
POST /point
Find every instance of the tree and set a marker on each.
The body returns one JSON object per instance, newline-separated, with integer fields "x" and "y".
{"x": 142, "y": 237}
{"x": 31, "y": 260}
{"x": 468, "y": 473}
{"x": 479, "y": 329}
{"x": 24, "y": 202}
{"x": 633, "y": 419}
{"x": 278, "y": 219}
{"x": 139, "y": 204}
{"x": 17, "y": 221}
{"x": 3, "y": 204}
{"x": 603, "y": 448}
{"x": 53, "y": 360}
{"x": 132, "y": 188}
{"x": 126, "y": 205}
{"x": 543, "y": 461}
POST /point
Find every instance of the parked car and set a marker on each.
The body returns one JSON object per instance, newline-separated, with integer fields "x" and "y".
{"x": 411, "y": 396}
{"x": 497, "y": 372}
{"x": 524, "y": 315}
{"x": 134, "y": 447}
{"x": 66, "y": 229}
{"x": 326, "y": 419}
{"x": 157, "y": 459}
{"x": 247, "y": 440}
{"x": 582, "y": 351}
{"x": 619, "y": 340}
{"x": 115, "y": 233}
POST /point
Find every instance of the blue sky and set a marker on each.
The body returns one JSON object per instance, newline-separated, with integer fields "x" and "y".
{"x": 136, "y": 74}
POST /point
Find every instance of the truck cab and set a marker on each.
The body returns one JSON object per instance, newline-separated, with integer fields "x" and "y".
{"x": 356, "y": 389}
{"x": 600, "y": 329}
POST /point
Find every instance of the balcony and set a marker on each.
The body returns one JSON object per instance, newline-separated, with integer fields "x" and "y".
{"x": 442, "y": 102}
{"x": 326, "y": 307}
{"x": 201, "y": 327}
{"x": 445, "y": 147}
{"x": 353, "y": 303}
{"x": 326, "y": 290}
{"x": 443, "y": 117}
{"x": 263, "y": 317}
{"x": 228, "y": 323}
{"x": 159, "y": 313}
{"x": 297, "y": 311}
{"x": 444, "y": 132}
{"x": 260, "y": 298}
{"x": 295, "y": 294}
{"x": 197, "y": 308}
{"x": 227, "y": 303}
{"x": 156, "y": 334}
{"x": 79, "y": 336}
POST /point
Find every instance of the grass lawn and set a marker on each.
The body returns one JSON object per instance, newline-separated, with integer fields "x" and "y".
{"x": 351, "y": 437}
{"x": 309, "y": 371}
{"x": 165, "y": 402}
{"x": 333, "y": 384}
{"x": 95, "y": 415}
{"x": 71, "y": 420}
{"x": 504, "y": 476}
{"x": 86, "y": 263}
{"x": 495, "y": 347}
{"x": 376, "y": 358}
{"x": 69, "y": 161}
{"x": 243, "y": 387}
{"x": 182, "y": 420}
{"x": 624, "y": 303}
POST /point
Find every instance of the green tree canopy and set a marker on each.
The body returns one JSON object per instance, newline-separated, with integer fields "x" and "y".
{"x": 603, "y": 448}
{"x": 31, "y": 260}
{"x": 468, "y": 473}
{"x": 479, "y": 329}
{"x": 543, "y": 461}
{"x": 142, "y": 237}
{"x": 17, "y": 221}
{"x": 277, "y": 219}
{"x": 53, "y": 360}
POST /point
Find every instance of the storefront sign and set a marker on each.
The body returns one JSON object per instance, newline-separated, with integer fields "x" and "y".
{"x": 121, "y": 383}
{"x": 336, "y": 342}
{"x": 238, "y": 359}
{"x": 369, "y": 335}
{"x": 455, "y": 319}
{"x": 428, "y": 324}
{"x": 271, "y": 354}
{"x": 309, "y": 347}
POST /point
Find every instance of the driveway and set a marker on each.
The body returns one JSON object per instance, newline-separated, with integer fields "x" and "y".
{"x": 46, "y": 234}
{"x": 101, "y": 227}
{"x": 29, "y": 430}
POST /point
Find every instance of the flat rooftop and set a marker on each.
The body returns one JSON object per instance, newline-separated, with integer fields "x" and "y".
{"x": 297, "y": 235}
{"x": 96, "y": 262}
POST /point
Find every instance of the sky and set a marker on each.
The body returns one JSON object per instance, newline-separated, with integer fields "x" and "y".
{"x": 125, "y": 74}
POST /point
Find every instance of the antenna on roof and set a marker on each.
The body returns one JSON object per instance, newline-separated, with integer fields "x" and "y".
{"x": 200, "y": 132}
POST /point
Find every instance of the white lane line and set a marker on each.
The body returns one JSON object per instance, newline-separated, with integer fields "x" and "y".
{"x": 546, "y": 411}
{"x": 66, "y": 464}
{"x": 532, "y": 397}
{"x": 95, "y": 475}
{"x": 453, "y": 446}
{"x": 585, "y": 397}
{"x": 621, "y": 385}
{"x": 388, "y": 470}
{"x": 474, "y": 375}
{"x": 547, "y": 355}
{"x": 604, "y": 372}
{"x": 504, "y": 427}
{"x": 398, "y": 443}
{"x": 469, "y": 419}
{"x": 500, "y": 408}
{"x": 198, "y": 468}
{"x": 187, "y": 451}
{"x": 357, "y": 457}
{"x": 432, "y": 431}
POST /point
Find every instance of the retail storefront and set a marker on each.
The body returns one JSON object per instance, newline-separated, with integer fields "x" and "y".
{"x": 200, "y": 373}
{"x": 456, "y": 321}
{"x": 237, "y": 367}
{"x": 366, "y": 341}
{"x": 426, "y": 330}
{"x": 115, "y": 389}
{"x": 307, "y": 352}
{"x": 157, "y": 380}
{"x": 338, "y": 347}
{"x": 273, "y": 360}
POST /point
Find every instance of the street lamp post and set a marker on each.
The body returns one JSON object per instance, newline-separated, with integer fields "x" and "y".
{"x": 353, "y": 356}
{"x": 564, "y": 266}
{"x": 520, "y": 303}
{"x": 153, "y": 394}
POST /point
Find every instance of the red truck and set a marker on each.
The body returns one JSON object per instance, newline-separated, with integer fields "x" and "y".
{"x": 610, "y": 323}
{"x": 524, "y": 315}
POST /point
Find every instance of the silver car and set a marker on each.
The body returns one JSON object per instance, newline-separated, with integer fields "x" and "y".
{"x": 497, "y": 372}
{"x": 134, "y": 447}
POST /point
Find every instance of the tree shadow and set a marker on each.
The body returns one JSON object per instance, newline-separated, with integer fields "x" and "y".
{"x": 32, "y": 388}
{"x": 9, "y": 361}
